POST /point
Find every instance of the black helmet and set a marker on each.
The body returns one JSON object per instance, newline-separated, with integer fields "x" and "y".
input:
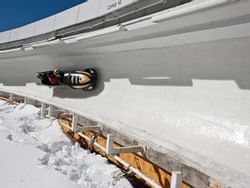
{"x": 39, "y": 75}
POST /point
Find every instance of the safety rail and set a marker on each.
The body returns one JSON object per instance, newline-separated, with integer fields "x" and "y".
{"x": 101, "y": 142}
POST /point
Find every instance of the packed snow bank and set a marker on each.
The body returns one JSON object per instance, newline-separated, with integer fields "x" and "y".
{"x": 35, "y": 153}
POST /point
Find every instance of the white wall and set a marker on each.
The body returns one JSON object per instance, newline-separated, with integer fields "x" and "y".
{"x": 66, "y": 18}
{"x": 4, "y": 36}
{"x": 83, "y": 12}
{"x": 26, "y": 31}
{"x": 44, "y": 25}
{"x": 112, "y": 5}
{"x": 88, "y": 10}
{"x": 14, "y": 34}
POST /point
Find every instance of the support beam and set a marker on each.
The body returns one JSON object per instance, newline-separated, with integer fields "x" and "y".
{"x": 42, "y": 112}
{"x": 113, "y": 151}
{"x": 50, "y": 111}
{"x": 25, "y": 101}
{"x": 176, "y": 180}
{"x": 78, "y": 128}
{"x": 89, "y": 128}
{"x": 74, "y": 123}
{"x": 11, "y": 97}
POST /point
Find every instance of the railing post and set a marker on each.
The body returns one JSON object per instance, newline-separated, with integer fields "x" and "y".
{"x": 176, "y": 180}
{"x": 25, "y": 101}
{"x": 109, "y": 145}
{"x": 74, "y": 123}
{"x": 42, "y": 114}
{"x": 11, "y": 97}
{"x": 50, "y": 111}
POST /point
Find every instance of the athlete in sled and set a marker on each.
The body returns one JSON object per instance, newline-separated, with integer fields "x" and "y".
{"x": 85, "y": 80}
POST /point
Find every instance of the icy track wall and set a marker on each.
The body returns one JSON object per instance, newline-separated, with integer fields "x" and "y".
{"x": 200, "y": 103}
{"x": 187, "y": 94}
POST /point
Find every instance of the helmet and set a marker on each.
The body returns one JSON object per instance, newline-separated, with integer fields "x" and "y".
{"x": 57, "y": 72}
{"x": 39, "y": 75}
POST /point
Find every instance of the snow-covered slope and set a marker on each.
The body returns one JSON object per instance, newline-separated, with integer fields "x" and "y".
{"x": 35, "y": 153}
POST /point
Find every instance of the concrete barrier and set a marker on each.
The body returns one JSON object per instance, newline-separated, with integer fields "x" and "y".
{"x": 66, "y": 18}
{"x": 26, "y": 31}
{"x": 4, "y": 36}
{"x": 45, "y": 25}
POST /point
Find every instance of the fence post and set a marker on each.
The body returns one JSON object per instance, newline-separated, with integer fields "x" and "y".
{"x": 176, "y": 179}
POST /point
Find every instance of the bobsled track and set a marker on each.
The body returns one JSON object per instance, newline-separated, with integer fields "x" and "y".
{"x": 173, "y": 77}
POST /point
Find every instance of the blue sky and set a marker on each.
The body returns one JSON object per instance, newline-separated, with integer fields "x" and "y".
{"x": 16, "y": 13}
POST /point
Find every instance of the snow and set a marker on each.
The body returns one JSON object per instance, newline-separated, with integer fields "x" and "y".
{"x": 35, "y": 153}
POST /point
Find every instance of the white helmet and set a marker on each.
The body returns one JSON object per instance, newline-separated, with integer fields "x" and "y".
{"x": 57, "y": 72}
